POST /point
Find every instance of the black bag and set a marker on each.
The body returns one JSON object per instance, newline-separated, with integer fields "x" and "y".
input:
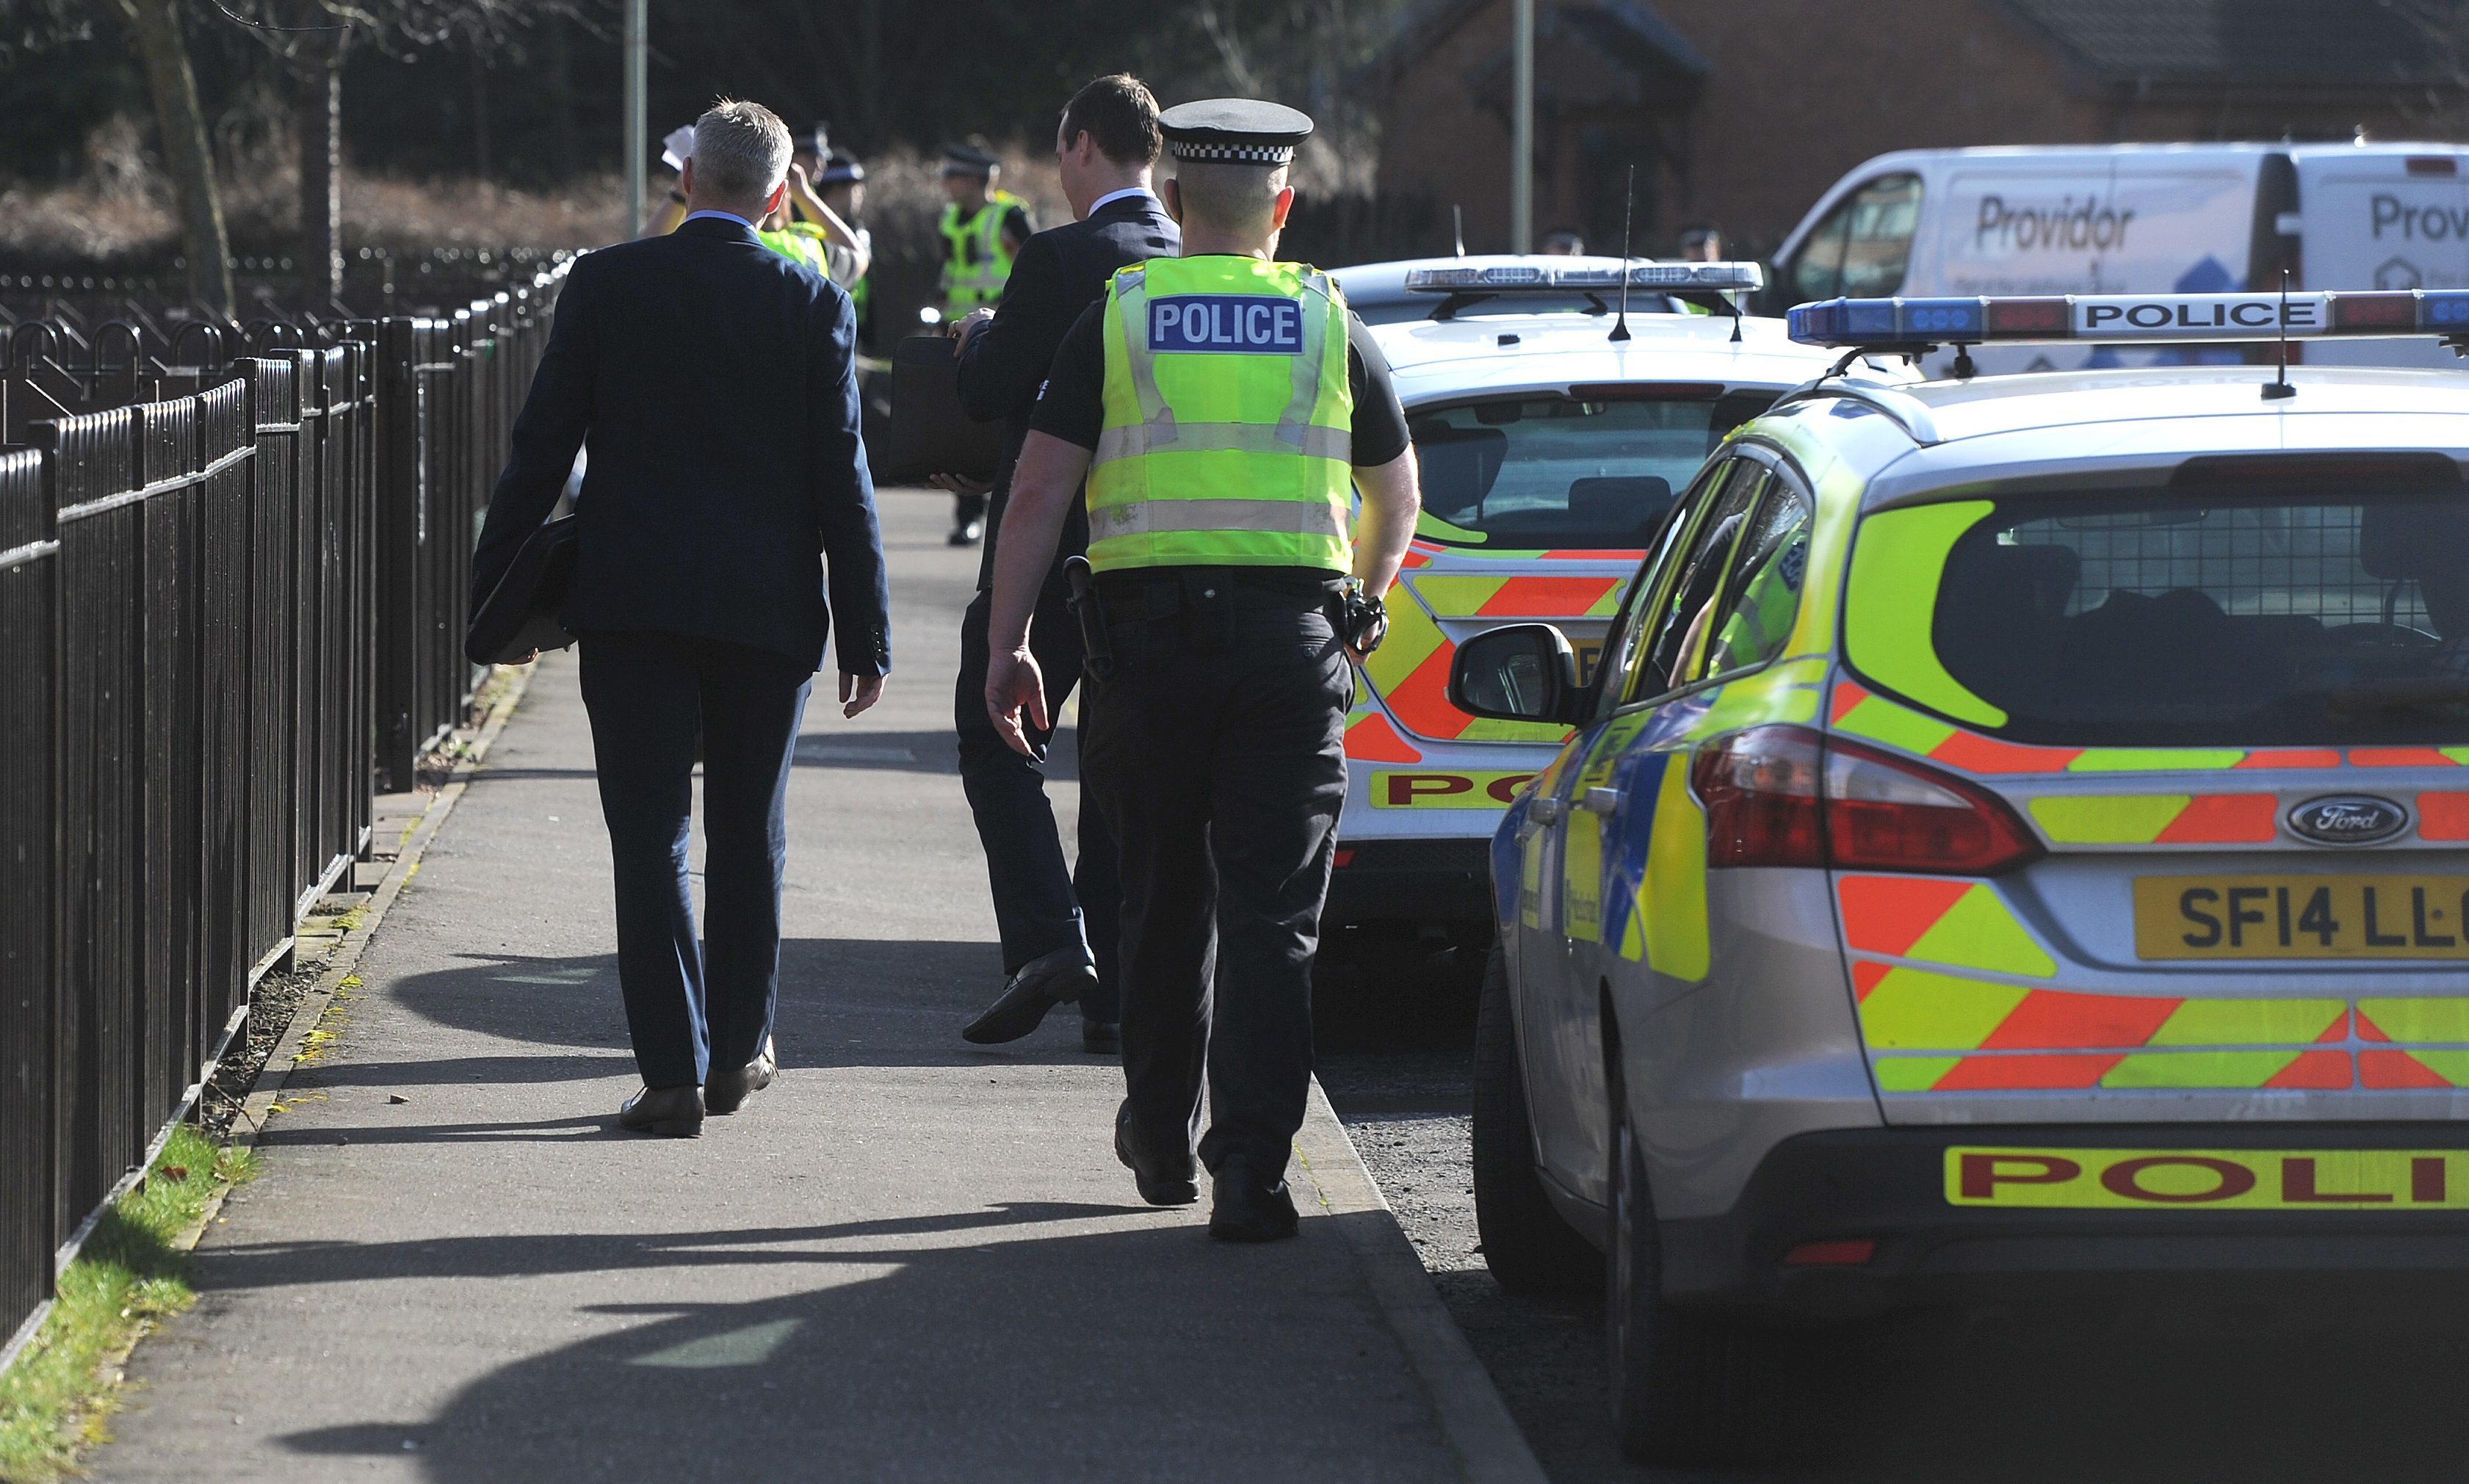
{"x": 521, "y": 614}
{"x": 930, "y": 434}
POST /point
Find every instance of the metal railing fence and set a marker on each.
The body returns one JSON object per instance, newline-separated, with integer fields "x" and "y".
{"x": 232, "y": 601}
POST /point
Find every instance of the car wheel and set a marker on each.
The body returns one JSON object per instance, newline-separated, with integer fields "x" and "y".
{"x": 1679, "y": 1379}
{"x": 1526, "y": 1242}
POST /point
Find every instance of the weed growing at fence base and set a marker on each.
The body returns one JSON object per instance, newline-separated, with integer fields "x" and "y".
{"x": 55, "y": 1400}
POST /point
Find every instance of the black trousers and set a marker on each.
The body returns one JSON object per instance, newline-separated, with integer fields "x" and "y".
{"x": 1041, "y": 903}
{"x": 692, "y": 1006}
{"x": 1216, "y": 749}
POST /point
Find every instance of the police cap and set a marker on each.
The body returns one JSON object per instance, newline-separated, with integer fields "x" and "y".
{"x": 841, "y": 169}
{"x": 1235, "y": 131}
{"x": 968, "y": 160}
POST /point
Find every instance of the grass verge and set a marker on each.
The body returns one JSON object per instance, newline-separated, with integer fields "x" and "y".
{"x": 133, "y": 1271}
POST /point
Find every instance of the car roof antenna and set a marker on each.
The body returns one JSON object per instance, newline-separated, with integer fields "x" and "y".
{"x": 2279, "y": 389}
{"x": 1457, "y": 220}
{"x": 1628, "y": 209}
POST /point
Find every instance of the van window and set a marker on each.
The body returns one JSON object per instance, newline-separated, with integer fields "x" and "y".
{"x": 1864, "y": 245}
{"x": 2165, "y": 618}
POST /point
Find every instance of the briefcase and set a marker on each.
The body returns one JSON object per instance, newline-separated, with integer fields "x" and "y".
{"x": 521, "y": 614}
{"x": 930, "y": 434}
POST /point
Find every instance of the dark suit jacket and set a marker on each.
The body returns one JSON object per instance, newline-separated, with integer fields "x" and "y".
{"x": 1058, "y": 274}
{"x": 713, "y": 382}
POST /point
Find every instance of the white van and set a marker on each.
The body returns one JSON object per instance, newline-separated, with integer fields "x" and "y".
{"x": 2140, "y": 218}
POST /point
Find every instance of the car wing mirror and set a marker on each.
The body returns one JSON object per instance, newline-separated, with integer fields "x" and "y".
{"x": 1520, "y": 672}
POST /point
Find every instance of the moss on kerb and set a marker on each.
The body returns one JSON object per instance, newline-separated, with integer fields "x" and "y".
{"x": 133, "y": 1271}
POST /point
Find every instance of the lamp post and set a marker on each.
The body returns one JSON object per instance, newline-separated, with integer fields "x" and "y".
{"x": 637, "y": 110}
{"x": 1521, "y": 128}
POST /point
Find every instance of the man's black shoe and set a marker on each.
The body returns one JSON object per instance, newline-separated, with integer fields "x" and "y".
{"x": 728, "y": 1088}
{"x": 1044, "y": 982}
{"x": 966, "y": 533}
{"x": 1103, "y": 1037}
{"x": 1248, "y": 1208}
{"x": 1162, "y": 1181}
{"x": 671, "y": 1112}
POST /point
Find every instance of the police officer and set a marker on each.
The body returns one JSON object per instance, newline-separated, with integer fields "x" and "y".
{"x": 842, "y": 188}
{"x": 984, "y": 227}
{"x": 1223, "y": 405}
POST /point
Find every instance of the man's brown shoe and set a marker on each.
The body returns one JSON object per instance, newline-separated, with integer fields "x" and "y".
{"x": 671, "y": 1112}
{"x": 729, "y": 1089}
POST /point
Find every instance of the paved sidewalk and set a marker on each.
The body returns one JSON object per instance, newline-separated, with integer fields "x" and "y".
{"x": 909, "y": 1259}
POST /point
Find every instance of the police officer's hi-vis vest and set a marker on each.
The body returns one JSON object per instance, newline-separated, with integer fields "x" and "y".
{"x": 1228, "y": 419}
{"x": 977, "y": 262}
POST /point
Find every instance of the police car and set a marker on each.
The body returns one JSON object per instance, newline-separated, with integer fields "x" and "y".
{"x": 2019, "y": 831}
{"x": 1549, "y": 453}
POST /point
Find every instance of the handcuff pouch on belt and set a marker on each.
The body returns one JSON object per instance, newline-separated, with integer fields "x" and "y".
{"x": 1096, "y": 645}
{"x": 1362, "y": 619}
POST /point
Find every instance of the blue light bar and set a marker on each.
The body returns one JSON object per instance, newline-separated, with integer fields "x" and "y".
{"x": 2128, "y": 319}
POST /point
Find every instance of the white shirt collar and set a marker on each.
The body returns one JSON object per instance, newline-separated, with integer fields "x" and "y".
{"x": 723, "y": 215}
{"x": 1112, "y": 196}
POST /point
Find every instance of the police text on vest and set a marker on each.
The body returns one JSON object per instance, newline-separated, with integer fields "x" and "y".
{"x": 1244, "y": 324}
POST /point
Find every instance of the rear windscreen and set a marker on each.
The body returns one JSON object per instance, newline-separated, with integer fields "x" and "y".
{"x": 1555, "y": 473}
{"x": 2179, "y": 618}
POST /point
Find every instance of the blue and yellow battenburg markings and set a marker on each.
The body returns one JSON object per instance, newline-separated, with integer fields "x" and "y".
{"x": 2181, "y": 318}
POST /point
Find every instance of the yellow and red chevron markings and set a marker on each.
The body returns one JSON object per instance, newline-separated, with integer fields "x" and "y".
{"x": 2444, "y": 816}
{"x": 1930, "y": 1031}
{"x": 2142, "y": 818}
{"x": 1861, "y": 713}
{"x": 1411, "y": 668}
{"x": 2159, "y": 818}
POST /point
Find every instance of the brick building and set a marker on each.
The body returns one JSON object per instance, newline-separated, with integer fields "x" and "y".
{"x": 1740, "y": 113}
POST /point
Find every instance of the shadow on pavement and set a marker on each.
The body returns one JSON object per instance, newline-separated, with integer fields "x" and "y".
{"x": 456, "y": 1071}
{"x": 1094, "y": 1355}
{"x": 485, "y": 774}
{"x": 844, "y": 1002}
{"x": 2181, "y": 1388}
{"x": 279, "y": 1265}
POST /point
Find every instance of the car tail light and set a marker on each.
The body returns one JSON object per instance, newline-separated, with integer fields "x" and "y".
{"x": 1760, "y": 789}
{"x": 1787, "y": 796}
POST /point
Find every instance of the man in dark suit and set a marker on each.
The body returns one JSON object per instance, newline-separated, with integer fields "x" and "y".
{"x": 1058, "y": 925}
{"x": 714, "y": 383}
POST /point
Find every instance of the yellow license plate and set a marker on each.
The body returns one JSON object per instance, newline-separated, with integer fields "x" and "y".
{"x": 2301, "y": 917}
{"x": 2226, "y": 1179}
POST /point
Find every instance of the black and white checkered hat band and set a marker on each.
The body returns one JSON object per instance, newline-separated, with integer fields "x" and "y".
{"x": 1234, "y": 154}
